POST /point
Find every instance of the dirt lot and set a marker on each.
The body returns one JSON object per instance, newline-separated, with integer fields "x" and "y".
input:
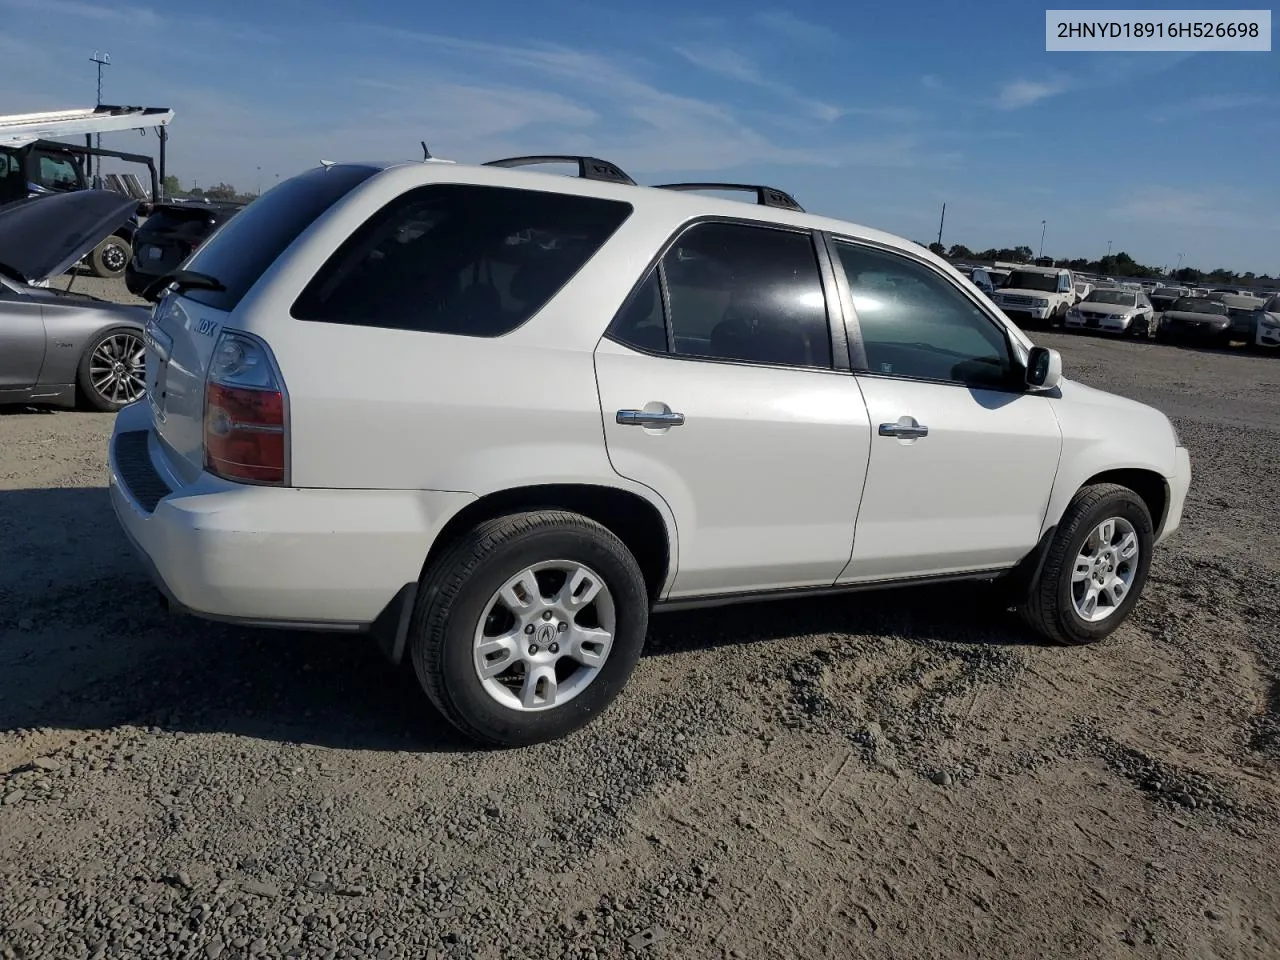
{"x": 895, "y": 775}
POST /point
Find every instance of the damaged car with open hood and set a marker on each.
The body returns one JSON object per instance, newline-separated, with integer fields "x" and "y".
{"x": 59, "y": 347}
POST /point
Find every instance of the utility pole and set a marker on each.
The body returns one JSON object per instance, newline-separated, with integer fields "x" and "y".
{"x": 1179, "y": 266}
{"x": 1042, "y": 226}
{"x": 941, "y": 222}
{"x": 102, "y": 60}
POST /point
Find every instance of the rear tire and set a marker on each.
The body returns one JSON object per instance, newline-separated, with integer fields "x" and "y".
{"x": 119, "y": 345}
{"x": 1053, "y": 604}
{"x": 461, "y": 612}
{"x": 110, "y": 257}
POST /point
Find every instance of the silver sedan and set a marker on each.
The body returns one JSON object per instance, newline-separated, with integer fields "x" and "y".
{"x": 57, "y": 347}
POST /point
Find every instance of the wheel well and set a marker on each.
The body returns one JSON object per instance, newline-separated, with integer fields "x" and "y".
{"x": 631, "y": 518}
{"x": 1150, "y": 486}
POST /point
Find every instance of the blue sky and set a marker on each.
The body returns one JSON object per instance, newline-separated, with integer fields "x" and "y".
{"x": 875, "y": 115}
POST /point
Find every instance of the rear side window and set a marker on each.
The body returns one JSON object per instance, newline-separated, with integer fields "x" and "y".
{"x": 252, "y": 240}
{"x": 461, "y": 259}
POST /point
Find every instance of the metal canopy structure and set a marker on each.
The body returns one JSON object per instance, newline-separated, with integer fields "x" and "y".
{"x": 21, "y": 129}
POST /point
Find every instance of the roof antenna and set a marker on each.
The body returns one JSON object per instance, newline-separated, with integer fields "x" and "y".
{"x": 426, "y": 154}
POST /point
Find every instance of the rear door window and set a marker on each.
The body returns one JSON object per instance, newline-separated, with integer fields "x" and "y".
{"x": 251, "y": 241}
{"x": 458, "y": 258}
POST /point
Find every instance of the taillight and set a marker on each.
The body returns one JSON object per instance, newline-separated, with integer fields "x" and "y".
{"x": 246, "y": 418}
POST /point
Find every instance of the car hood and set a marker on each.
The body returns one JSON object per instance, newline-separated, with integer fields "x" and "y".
{"x": 1110, "y": 309}
{"x": 1191, "y": 315}
{"x": 42, "y": 236}
{"x": 1019, "y": 292}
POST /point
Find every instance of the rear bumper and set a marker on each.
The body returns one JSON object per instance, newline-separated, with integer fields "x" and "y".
{"x": 1178, "y": 484}
{"x": 324, "y": 559}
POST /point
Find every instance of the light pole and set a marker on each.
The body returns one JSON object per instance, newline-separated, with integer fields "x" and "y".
{"x": 1041, "y": 253}
{"x": 259, "y": 181}
{"x": 1108, "y": 249}
{"x": 102, "y": 60}
{"x": 1179, "y": 266}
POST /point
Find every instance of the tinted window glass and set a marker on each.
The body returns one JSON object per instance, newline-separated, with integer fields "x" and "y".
{"x": 238, "y": 255}
{"x": 747, "y": 293}
{"x": 916, "y": 324}
{"x": 461, "y": 259}
{"x": 641, "y": 322}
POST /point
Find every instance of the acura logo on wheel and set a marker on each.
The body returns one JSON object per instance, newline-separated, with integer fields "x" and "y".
{"x": 546, "y": 633}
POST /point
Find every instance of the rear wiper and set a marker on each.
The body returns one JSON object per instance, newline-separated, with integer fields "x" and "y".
{"x": 182, "y": 280}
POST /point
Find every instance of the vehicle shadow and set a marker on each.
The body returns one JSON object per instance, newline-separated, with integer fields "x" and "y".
{"x": 85, "y": 643}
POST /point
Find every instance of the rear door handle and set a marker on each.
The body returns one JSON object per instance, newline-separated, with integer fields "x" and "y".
{"x": 649, "y": 418}
{"x": 905, "y": 429}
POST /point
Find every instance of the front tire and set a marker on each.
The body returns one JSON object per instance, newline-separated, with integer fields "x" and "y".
{"x": 528, "y": 627}
{"x": 1095, "y": 569}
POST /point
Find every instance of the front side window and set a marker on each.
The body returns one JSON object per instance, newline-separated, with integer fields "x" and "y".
{"x": 460, "y": 259}
{"x": 746, "y": 293}
{"x": 915, "y": 324}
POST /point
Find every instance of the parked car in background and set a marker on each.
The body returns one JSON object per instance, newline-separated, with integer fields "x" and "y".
{"x": 1037, "y": 296}
{"x": 1113, "y": 311}
{"x": 58, "y": 347}
{"x": 1162, "y": 298}
{"x": 1267, "y": 326}
{"x": 1195, "y": 318}
{"x": 1243, "y": 310}
{"x": 790, "y": 405}
{"x": 169, "y": 235}
{"x": 983, "y": 280}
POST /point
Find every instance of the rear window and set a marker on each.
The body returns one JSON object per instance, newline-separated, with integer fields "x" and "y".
{"x": 250, "y": 242}
{"x": 461, "y": 259}
{"x": 169, "y": 218}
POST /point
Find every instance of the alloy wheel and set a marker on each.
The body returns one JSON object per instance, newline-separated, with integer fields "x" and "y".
{"x": 544, "y": 636}
{"x": 117, "y": 368}
{"x": 1105, "y": 569}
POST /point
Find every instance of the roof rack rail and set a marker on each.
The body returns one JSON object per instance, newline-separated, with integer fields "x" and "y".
{"x": 589, "y": 168}
{"x": 765, "y": 196}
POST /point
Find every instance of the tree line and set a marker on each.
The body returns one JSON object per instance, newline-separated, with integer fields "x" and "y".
{"x": 1115, "y": 265}
{"x": 220, "y": 192}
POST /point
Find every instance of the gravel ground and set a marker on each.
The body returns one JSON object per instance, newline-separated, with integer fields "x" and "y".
{"x": 897, "y": 775}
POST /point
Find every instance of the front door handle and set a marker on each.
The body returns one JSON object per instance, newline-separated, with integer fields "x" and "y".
{"x": 905, "y": 429}
{"x": 649, "y": 418}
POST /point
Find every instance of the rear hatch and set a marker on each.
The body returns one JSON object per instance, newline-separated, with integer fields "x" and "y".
{"x": 184, "y": 328}
{"x": 170, "y": 235}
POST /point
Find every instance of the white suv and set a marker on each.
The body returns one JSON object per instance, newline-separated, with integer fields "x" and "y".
{"x": 496, "y": 417}
{"x": 1038, "y": 295}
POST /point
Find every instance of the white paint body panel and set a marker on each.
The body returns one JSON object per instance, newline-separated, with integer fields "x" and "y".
{"x": 280, "y": 554}
{"x": 969, "y": 496}
{"x": 764, "y": 476}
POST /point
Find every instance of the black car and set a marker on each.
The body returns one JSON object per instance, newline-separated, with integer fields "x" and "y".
{"x": 171, "y": 234}
{"x": 1197, "y": 318}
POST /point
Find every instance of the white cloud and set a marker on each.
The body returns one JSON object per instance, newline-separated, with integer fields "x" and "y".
{"x": 1023, "y": 93}
{"x": 733, "y": 65}
{"x": 143, "y": 17}
{"x": 789, "y": 25}
{"x": 1210, "y": 103}
{"x": 1220, "y": 208}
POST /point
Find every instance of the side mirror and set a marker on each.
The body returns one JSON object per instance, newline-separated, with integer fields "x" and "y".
{"x": 1044, "y": 368}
